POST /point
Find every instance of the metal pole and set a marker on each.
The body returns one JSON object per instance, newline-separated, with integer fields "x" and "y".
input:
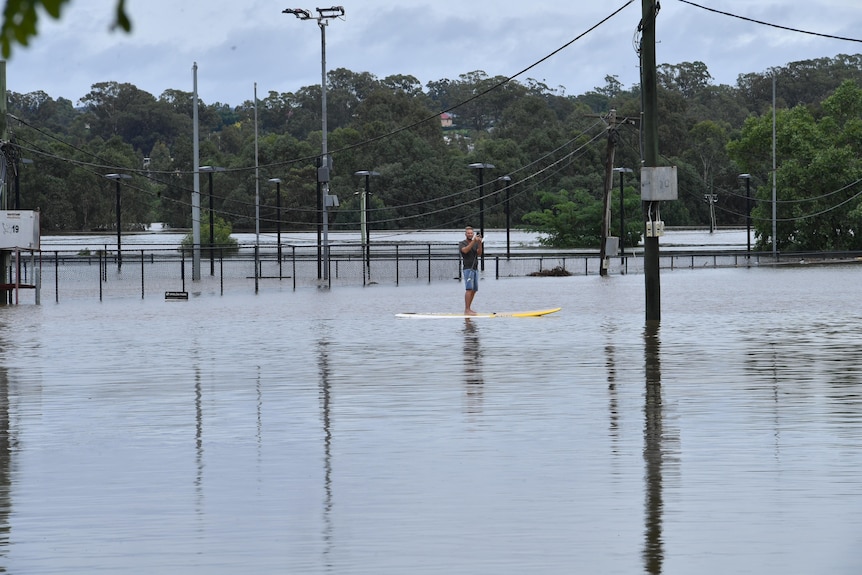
{"x": 277, "y": 182}
{"x": 367, "y": 227}
{"x": 212, "y": 227}
{"x": 507, "y": 181}
{"x": 748, "y": 217}
{"x": 324, "y": 151}
{"x": 774, "y": 180}
{"x": 117, "y": 178}
{"x": 324, "y": 14}
{"x": 482, "y": 202}
{"x": 508, "y": 220}
{"x": 481, "y": 168}
{"x": 17, "y": 184}
{"x": 622, "y": 217}
{"x": 278, "y": 218}
{"x": 119, "y": 230}
{"x": 196, "y": 191}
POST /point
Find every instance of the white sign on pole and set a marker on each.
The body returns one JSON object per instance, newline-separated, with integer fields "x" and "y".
{"x": 19, "y": 229}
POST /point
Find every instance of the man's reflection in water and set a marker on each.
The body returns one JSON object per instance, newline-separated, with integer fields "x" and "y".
{"x": 653, "y": 455}
{"x": 472, "y": 367}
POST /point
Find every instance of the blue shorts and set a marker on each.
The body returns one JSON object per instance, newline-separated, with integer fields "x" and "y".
{"x": 471, "y": 279}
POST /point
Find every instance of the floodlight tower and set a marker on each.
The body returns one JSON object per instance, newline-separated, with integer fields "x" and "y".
{"x": 322, "y": 18}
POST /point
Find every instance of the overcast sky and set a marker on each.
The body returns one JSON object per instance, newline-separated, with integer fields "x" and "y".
{"x": 237, "y": 43}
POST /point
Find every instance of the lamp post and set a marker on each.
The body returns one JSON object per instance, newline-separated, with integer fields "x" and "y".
{"x": 24, "y": 161}
{"x": 322, "y": 18}
{"x": 747, "y": 178}
{"x": 480, "y": 168}
{"x": 117, "y": 178}
{"x": 277, "y": 182}
{"x": 622, "y": 172}
{"x": 365, "y": 228}
{"x": 507, "y": 183}
{"x": 209, "y": 171}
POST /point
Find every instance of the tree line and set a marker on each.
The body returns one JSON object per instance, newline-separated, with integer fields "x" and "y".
{"x": 547, "y": 149}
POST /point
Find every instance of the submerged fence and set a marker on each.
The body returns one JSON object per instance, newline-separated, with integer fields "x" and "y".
{"x": 152, "y": 272}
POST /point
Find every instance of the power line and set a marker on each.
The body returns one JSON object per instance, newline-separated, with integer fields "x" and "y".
{"x": 762, "y": 23}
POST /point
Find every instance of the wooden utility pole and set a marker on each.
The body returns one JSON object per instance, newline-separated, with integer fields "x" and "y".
{"x": 5, "y": 255}
{"x": 650, "y": 146}
{"x": 606, "y": 196}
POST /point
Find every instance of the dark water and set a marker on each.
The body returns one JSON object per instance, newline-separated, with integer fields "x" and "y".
{"x": 313, "y": 432}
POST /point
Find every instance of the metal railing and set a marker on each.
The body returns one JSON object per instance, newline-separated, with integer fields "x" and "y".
{"x": 152, "y": 272}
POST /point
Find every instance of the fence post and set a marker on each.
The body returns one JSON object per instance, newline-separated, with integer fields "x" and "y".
{"x": 56, "y": 277}
{"x": 142, "y": 274}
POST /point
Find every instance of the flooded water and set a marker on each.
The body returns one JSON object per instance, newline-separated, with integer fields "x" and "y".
{"x": 312, "y": 432}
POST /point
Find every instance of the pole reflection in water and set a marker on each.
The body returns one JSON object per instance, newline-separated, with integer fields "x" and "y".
{"x": 199, "y": 440}
{"x": 473, "y": 379}
{"x": 6, "y": 443}
{"x": 326, "y": 399}
{"x": 653, "y": 456}
{"x": 614, "y": 429}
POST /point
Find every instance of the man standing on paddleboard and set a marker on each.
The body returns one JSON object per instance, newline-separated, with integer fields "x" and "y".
{"x": 471, "y": 249}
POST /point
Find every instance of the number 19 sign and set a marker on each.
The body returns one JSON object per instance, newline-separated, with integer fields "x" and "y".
{"x": 19, "y": 229}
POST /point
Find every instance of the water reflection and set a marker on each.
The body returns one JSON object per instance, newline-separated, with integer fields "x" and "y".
{"x": 611, "y": 367}
{"x": 5, "y": 463}
{"x": 473, "y": 379}
{"x": 653, "y": 451}
{"x": 199, "y": 438}
{"x": 326, "y": 415}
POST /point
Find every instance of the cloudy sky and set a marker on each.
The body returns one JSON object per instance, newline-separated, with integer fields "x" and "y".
{"x": 237, "y": 43}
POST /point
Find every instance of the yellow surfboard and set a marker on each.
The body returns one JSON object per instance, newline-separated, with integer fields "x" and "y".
{"x": 532, "y": 313}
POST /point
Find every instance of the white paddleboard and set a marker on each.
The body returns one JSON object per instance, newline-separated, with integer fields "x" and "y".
{"x": 532, "y": 313}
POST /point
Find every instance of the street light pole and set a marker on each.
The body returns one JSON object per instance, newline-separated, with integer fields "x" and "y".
{"x": 481, "y": 167}
{"x": 747, "y": 178}
{"x": 622, "y": 172}
{"x": 277, "y": 182}
{"x": 507, "y": 183}
{"x": 117, "y": 178}
{"x": 366, "y": 231}
{"x": 209, "y": 170}
{"x": 24, "y": 161}
{"x": 323, "y": 15}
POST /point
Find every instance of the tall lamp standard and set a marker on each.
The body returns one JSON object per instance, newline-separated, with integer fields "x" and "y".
{"x": 24, "y": 161}
{"x": 323, "y": 15}
{"x": 480, "y": 169}
{"x": 507, "y": 183}
{"x": 117, "y": 178}
{"x": 366, "y": 231}
{"x": 209, "y": 171}
{"x": 622, "y": 172}
{"x": 747, "y": 178}
{"x": 277, "y": 182}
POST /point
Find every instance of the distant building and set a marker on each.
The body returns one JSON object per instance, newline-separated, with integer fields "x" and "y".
{"x": 446, "y": 120}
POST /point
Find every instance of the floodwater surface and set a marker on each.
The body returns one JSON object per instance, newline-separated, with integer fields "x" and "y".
{"x": 313, "y": 432}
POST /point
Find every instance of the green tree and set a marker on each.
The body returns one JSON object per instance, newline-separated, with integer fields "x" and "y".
{"x": 571, "y": 220}
{"x": 21, "y": 17}
{"x": 817, "y": 157}
{"x": 221, "y": 235}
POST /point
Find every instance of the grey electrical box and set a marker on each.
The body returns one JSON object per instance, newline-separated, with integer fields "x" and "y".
{"x": 612, "y": 246}
{"x": 658, "y": 184}
{"x": 324, "y": 170}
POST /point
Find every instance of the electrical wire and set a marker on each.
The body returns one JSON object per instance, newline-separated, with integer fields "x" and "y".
{"x": 771, "y": 25}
